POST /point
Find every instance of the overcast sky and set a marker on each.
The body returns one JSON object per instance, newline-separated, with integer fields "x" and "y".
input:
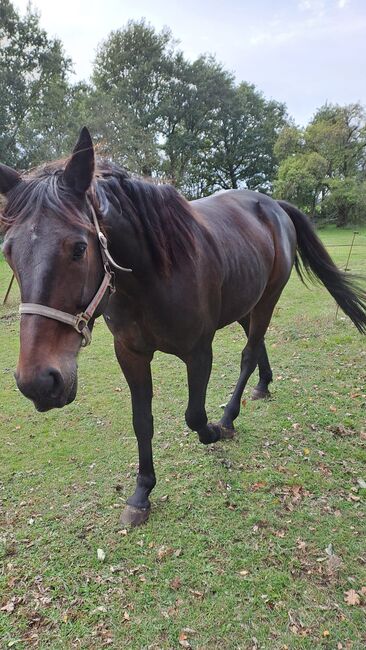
{"x": 301, "y": 52}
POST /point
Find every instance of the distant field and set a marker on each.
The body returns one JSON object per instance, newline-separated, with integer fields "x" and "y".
{"x": 255, "y": 543}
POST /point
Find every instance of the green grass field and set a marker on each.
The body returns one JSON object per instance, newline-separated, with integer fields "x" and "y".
{"x": 255, "y": 543}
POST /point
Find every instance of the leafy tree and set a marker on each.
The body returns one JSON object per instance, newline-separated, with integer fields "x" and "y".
{"x": 243, "y": 137}
{"x": 323, "y": 166}
{"x": 301, "y": 179}
{"x": 131, "y": 70}
{"x": 346, "y": 201}
{"x": 290, "y": 141}
{"x": 188, "y": 113}
{"x": 338, "y": 133}
{"x": 33, "y": 88}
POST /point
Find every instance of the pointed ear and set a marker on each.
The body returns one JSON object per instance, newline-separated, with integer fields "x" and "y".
{"x": 9, "y": 178}
{"x": 78, "y": 173}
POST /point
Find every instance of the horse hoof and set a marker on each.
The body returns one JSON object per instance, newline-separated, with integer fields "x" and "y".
{"x": 226, "y": 434}
{"x": 260, "y": 394}
{"x": 132, "y": 516}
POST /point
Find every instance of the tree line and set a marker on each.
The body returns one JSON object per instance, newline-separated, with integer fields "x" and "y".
{"x": 187, "y": 122}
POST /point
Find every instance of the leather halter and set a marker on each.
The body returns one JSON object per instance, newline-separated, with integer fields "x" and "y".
{"x": 80, "y": 321}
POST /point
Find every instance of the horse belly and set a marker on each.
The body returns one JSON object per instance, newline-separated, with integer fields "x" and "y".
{"x": 242, "y": 290}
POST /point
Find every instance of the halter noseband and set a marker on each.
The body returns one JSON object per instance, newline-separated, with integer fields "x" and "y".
{"x": 80, "y": 321}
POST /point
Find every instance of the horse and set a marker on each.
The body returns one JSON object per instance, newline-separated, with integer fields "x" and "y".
{"x": 84, "y": 238}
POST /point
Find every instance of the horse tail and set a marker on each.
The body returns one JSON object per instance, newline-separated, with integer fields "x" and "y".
{"x": 319, "y": 266}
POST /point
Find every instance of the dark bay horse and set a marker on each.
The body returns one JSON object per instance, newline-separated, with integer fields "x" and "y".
{"x": 72, "y": 232}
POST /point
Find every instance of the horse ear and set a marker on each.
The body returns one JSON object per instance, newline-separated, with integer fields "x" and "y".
{"x": 9, "y": 178}
{"x": 78, "y": 173}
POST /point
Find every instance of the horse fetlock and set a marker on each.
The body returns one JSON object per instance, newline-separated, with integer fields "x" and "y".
{"x": 261, "y": 392}
{"x": 196, "y": 422}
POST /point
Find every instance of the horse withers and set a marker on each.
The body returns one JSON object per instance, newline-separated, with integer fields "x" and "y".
{"x": 86, "y": 239}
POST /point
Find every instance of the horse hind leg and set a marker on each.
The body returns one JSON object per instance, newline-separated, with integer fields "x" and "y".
{"x": 253, "y": 354}
{"x": 265, "y": 371}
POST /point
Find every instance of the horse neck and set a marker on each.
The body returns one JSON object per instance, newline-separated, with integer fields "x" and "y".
{"x": 126, "y": 247}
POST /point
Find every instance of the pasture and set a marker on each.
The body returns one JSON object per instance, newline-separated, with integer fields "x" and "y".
{"x": 254, "y": 543}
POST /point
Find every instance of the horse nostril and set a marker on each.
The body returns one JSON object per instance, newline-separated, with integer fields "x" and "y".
{"x": 52, "y": 381}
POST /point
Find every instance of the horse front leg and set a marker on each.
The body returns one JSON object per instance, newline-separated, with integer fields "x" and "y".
{"x": 136, "y": 368}
{"x": 199, "y": 364}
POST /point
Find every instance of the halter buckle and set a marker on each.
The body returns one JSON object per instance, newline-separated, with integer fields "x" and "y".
{"x": 81, "y": 322}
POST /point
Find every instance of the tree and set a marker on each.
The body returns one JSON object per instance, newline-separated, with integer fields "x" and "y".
{"x": 323, "y": 167}
{"x": 244, "y": 133}
{"x": 346, "y": 201}
{"x": 301, "y": 179}
{"x": 33, "y": 87}
{"x": 187, "y": 115}
{"x": 131, "y": 70}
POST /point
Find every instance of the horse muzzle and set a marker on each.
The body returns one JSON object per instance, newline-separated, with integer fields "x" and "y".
{"x": 48, "y": 388}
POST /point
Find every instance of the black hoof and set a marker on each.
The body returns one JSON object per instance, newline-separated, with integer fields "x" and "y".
{"x": 260, "y": 394}
{"x": 215, "y": 432}
{"x": 132, "y": 516}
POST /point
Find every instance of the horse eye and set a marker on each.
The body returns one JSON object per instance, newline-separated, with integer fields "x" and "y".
{"x": 79, "y": 250}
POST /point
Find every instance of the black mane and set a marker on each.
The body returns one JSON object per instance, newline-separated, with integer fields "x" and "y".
{"x": 158, "y": 213}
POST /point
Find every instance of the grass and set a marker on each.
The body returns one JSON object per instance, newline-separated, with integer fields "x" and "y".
{"x": 252, "y": 543}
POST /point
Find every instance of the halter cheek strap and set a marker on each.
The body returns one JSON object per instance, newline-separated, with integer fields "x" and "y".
{"x": 80, "y": 322}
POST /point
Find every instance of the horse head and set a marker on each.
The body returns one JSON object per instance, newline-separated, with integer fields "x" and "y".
{"x": 53, "y": 249}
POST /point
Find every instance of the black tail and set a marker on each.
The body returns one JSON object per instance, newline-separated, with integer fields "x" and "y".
{"x": 319, "y": 266}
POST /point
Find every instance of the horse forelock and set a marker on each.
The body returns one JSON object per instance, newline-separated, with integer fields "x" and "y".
{"x": 40, "y": 192}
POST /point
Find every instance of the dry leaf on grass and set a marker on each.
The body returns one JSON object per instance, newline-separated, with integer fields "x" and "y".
{"x": 10, "y": 605}
{"x": 351, "y": 597}
{"x": 163, "y": 552}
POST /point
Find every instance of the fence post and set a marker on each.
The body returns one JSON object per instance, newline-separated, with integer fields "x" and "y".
{"x": 355, "y": 232}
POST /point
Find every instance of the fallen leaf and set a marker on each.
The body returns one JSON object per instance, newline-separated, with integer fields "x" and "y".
{"x": 10, "y": 605}
{"x": 326, "y": 633}
{"x": 351, "y": 597}
{"x": 163, "y": 552}
{"x": 196, "y": 594}
{"x": 183, "y": 640}
{"x": 176, "y": 583}
{"x": 301, "y": 545}
{"x": 258, "y": 486}
{"x": 333, "y": 565}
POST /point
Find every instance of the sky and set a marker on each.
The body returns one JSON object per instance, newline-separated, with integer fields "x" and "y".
{"x": 301, "y": 52}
